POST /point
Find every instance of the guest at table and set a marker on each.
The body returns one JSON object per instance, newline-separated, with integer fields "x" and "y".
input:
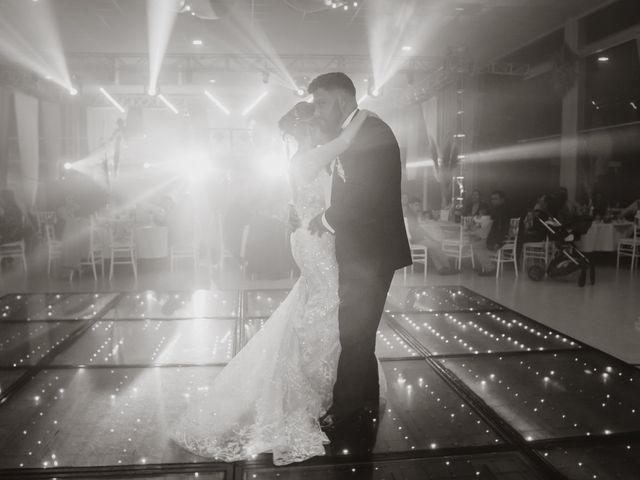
{"x": 598, "y": 206}
{"x": 633, "y": 210}
{"x": 561, "y": 207}
{"x": 530, "y": 227}
{"x": 420, "y": 236}
{"x": 473, "y": 205}
{"x": 483, "y": 248}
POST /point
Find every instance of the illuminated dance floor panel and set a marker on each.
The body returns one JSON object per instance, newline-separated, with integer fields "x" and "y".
{"x": 89, "y": 384}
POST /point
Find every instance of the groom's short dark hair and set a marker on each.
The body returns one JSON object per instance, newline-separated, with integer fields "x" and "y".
{"x": 333, "y": 81}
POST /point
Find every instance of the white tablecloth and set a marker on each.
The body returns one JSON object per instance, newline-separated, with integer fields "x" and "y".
{"x": 604, "y": 237}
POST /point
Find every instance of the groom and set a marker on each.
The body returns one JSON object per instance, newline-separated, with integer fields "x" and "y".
{"x": 365, "y": 215}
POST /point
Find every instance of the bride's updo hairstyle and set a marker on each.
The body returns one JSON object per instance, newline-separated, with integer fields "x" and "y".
{"x": 296, "y": 122}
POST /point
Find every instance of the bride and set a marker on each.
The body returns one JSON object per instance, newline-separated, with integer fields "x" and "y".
{"x": 271, "y": 394}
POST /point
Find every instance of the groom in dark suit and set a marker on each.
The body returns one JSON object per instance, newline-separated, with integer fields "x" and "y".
{"x": 366, "y": 218}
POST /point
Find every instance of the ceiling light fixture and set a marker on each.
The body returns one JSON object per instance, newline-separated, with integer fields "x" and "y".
{"x": 253, "y": 105}
{"x": 112, "y": 100}
{"x": 169, "y": 105}
{"x": 217, "y": 103}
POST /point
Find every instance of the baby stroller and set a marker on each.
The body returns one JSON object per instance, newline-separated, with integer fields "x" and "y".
{"x": 567, "y": 259}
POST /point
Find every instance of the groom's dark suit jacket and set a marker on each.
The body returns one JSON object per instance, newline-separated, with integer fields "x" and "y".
{"x": 366, "y": 209}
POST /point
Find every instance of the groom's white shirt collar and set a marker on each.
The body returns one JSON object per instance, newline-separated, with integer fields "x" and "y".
{"x": 346, "y": 122}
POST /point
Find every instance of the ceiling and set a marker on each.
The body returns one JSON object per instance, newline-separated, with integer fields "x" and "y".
{"x": 486, "y": 29}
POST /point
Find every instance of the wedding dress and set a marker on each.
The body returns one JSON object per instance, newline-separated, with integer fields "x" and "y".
{"x": 271, "y": 394}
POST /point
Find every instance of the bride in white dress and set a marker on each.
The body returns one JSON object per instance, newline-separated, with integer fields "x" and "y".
{"x": 272, "y": 393}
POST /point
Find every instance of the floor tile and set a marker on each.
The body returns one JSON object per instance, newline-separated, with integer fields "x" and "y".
{"x": 480, "y": 332}
{"x": 545, "y": 396}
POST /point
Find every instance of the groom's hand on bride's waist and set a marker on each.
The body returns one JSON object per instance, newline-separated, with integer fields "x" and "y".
{"x": 316, "y": 226}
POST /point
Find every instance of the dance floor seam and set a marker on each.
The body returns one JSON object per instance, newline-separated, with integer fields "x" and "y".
{"x": 470, "y": 384}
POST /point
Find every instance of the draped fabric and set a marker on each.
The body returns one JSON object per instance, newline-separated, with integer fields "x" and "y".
{"x": 5, "y": 118}
{"x": 51, "y": 124}
{"x": 408, "y": 125}
{"x": 28, "y": 145}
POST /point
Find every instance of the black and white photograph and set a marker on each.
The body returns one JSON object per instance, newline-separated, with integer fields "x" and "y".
{"x": 320, "y": 239}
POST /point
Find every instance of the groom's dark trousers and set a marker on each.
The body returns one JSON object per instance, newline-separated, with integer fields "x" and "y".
{"x": 363, "y": 292}
{"x": 371, "y": 243}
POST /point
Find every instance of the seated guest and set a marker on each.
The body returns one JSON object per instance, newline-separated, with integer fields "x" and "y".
{"x": 474, "y": 204}
{"x": 599, "y": 206}
{"x": 561, "y": 208}
{"x": 420, "y": 236}
{"x": 11, "y": 218}
{"x": 632, "y": 210}
{"x": 482, "y": 248}
{"x": 530, "y": 227}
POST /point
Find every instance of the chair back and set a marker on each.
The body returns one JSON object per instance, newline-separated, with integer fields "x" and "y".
{"x": 514, "y": 228}
{"x": 122, "y": 233}
{"x": 49, "y": 233}
{"x": 45, "y": 219}
{"x": 452, "y": 231}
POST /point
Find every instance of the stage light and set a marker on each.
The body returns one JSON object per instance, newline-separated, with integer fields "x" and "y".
{"x": 635, "y": 107}
{"x": 112, "y": 100}
{"x": 197, "y": 42}
{"x": 73, "y": 91}
{"x": 373, "y": 90}
{"x": 253, "y": 105}
{"x": 406, "y": 48}
{"x": 151, "y": 91}
{"x": 146, "y": 165}
{"x": 168, "y": 104}
{"x": 217, "y": 103}
{"x": 67, "y": 166}
{"x": 603, "y": 59}
{"x": 300, "y": 92}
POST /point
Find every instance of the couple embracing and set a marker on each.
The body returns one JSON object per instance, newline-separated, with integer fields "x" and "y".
{"x": 311, "y": 374}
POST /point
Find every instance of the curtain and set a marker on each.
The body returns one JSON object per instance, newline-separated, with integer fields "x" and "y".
{"x": 5, "y": 118}
{"x": 28, "y": 145}
{"x": 51, "y": 123}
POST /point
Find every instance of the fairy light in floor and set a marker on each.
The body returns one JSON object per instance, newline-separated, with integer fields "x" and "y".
{"x": 264, "y": 303}
{"x": 477, "y": 332}
{"x": 412, "y": 394}
{"x": 548, "y": 387}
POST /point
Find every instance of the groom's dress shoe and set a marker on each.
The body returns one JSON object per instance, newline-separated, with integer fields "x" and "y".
{"x": 329, "y": 423}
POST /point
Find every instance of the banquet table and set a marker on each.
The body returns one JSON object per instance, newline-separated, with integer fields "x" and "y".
{"x": 604, "y": 237}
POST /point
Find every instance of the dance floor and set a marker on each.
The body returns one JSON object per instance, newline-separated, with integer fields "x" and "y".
{"x": 89, "y": 383}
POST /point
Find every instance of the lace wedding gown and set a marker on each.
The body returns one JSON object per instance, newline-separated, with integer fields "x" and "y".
{"x": 270, "y": 395}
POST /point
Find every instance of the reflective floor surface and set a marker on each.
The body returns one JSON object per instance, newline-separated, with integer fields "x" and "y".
{"x": 89, "y": 383}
